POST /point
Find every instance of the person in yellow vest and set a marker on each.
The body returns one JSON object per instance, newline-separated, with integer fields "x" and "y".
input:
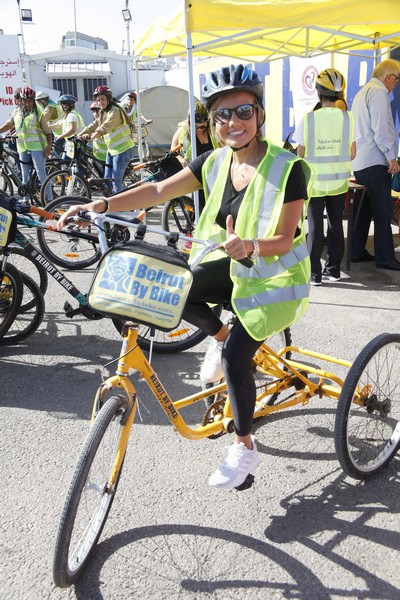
{"x": 98, "y": 144}
{"x": 205, "y": 141}
{"x": 72, "y": 123}
{"x": 113, "y": 125}
{"x": 34, "y": 135}
{"x": 326, "y": 140}
{"x": 255, "y": 200}
{"x": 53, "y": 113}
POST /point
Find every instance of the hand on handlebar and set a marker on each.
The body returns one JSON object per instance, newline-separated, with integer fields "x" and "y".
{"x": 95, "y": 206}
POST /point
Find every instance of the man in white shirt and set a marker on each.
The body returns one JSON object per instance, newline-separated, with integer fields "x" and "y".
{"x": 374, "y": 165}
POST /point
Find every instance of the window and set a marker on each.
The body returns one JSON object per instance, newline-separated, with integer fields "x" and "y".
{"x": 89, "y": 85}
{"x": 65, "y": 86}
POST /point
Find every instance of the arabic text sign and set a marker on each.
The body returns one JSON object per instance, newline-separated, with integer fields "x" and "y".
{"x": 10, "y": 74}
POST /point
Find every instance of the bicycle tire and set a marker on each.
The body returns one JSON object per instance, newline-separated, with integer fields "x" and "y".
{"x": 367, "y": 430}
{"x": 68, "y": 250}
{"x": 6, "y": 184}
{"x": 27, "y": 264}
{"x": 63, "y": 183}
{"x": 28, "y": 320}
{"x": 178, "y": 215}
{"x": 11, "y": 293}
{"x": 69, "y": 560}
{"x": 183, "y": 337}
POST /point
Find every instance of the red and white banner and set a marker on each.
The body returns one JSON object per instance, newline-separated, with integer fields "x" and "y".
{"x": 303, "y": 74}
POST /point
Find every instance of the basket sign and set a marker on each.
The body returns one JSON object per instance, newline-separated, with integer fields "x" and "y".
{"x": 141, "y": 288}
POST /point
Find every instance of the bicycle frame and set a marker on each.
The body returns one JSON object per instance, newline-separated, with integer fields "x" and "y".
{"x": 284, "y": 374}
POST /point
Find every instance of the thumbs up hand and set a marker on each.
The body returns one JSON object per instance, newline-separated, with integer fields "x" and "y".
{"x": 234, "y": 246}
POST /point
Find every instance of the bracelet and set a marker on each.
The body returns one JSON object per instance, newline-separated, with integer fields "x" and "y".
{"x": 106, "y": 206}
{"x": 256, "y": 250}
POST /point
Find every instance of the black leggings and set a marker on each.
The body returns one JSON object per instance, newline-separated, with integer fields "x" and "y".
{"x": 212, "y": 283}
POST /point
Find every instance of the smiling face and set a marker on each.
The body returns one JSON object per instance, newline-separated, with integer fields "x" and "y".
{"x": 236, "y": 132}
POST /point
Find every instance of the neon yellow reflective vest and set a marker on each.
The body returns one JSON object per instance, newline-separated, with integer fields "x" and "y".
{"x": 273, "y": 293}
{"x": 30, "y": 134}
{"x": 60, "y": 115}
{"x": 187, "y": 144}
{"x": 99, "y": 148}
{"x": 328, "y": 135}
{"x": 119, "y": 139}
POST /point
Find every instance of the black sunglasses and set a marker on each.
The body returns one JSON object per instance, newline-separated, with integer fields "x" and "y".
{"x": 244, "y": 112}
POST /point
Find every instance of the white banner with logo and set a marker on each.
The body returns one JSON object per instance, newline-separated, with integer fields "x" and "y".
{"x": 303, "y": 74}
{"x": 10, "y": 74}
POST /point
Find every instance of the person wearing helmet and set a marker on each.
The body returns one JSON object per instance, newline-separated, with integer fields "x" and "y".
{"x": 71, "y": 123}
{"x": 255, "y": 196}
{"x": 130, "y": 107}
{"x": 113, "y": 126}
{"x": 375, "y": 164}
{"x": 99, "y": 145}
{"x": 34, "y": 135}
{"x": 53, "y": 113}
{"x": 204, "y": 140}
{"x": 326, "y": 138}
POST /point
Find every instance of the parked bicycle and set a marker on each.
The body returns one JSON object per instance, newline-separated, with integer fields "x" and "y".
{"x": 183, "y": 337}
{"x": 70, "y": 251}
{"x": 367, "y": 431}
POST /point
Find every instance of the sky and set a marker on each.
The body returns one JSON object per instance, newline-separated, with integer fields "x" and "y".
{"x": 98, "y": 18}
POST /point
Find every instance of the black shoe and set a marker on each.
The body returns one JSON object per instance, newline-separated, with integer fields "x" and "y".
{"x": 315, "y": 279}
{"x": 365, "y": 258}
{"x": 393, "y": 266}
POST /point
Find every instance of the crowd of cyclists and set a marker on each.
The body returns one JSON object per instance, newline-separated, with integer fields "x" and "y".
{"x": 43, "y": 127}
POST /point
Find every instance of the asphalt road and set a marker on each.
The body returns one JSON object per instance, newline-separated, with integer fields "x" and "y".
{"x": 303, "y": 531}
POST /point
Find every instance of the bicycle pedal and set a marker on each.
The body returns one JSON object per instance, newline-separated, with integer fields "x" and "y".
{"x": 247, "y": 483}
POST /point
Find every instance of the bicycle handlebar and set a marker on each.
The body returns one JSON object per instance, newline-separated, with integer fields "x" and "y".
{"x": 132, "y": 220}
{"x": 174, "y": 152}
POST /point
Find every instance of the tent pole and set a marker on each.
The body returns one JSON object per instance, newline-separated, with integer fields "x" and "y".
{"x": 138, "y": 112}
{"x": 189, "y": 51}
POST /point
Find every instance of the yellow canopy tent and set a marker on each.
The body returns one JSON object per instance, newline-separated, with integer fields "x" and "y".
{"x": 265, "y": 30}
{"x": 271, "y": 29}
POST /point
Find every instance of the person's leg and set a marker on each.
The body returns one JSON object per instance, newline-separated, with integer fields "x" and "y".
{"x": 120, "y": 162}
{"x": 335, "y": 236}
{"x": 108, "y": 169}
{"x": 25, "y": 160}
{"x": 362, "y": 216}
{"x": 315, "y": 237}
{"x": 242, "y": 458}
{"x": 39, "y": 162}
{"x": 379, "y": 186}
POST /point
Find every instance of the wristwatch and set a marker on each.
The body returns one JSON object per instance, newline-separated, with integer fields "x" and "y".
{"x": 256, "y": 250}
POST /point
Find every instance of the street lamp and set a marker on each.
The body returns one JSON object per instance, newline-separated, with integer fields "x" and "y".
{"x": 25, "y": 16}
{"x": 126, "y": 13}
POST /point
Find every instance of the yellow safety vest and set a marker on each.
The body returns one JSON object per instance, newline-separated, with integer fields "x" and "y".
{"x": 328, "y": 135}
{"x": 99, "y": 148}
{"x": 60, "y": 115}
{"x": 273, "y": 293}
{"x": 27, "y": 127}
{"x": 187, "y": 144}
{"x": 119, "y": 139}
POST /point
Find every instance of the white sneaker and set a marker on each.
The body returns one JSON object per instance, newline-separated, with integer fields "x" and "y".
{"x": 397, "y": 249}
{"x": 211, "y": 369}
{"x": 239, "y": 463}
